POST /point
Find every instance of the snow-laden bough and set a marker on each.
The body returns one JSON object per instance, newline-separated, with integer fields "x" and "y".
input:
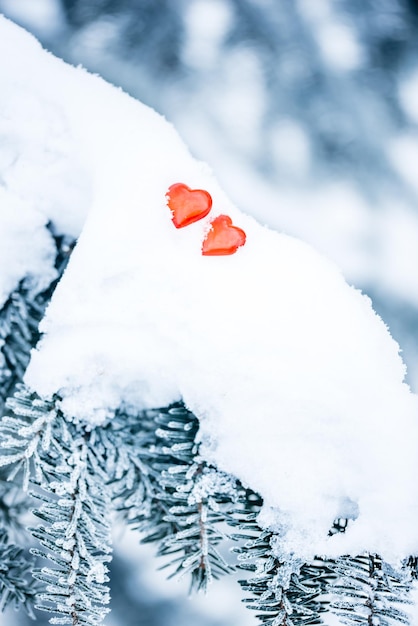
{"x": 297, "y": 383}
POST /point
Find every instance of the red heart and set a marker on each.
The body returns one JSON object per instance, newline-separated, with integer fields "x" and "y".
{"x": 187, "y": 205}
{"x": 223, "y": 238}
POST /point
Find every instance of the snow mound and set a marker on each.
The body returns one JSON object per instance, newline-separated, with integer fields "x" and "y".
{"x": 297, "y": 383}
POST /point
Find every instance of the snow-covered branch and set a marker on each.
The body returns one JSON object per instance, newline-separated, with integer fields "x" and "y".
{"x": 297, "y": 384}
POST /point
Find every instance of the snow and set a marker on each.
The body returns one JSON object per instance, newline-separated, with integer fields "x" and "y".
{"x": 297, "y": 383}
{"x": 26, "y": 248}
{"x": 37, "y": 162}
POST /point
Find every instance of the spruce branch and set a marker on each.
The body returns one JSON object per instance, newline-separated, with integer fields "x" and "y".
{"x": 149, "y": 464}
{"x": 121, "y": 449}
{"x": 284, "y": 593}
{"x": 14, "y": 503}
{"x": 75, "y": 508}
{"x": 368, "y": 591}
{"x": 19, "y": 320}
{"x": 17, "y": 588}
{"x": 412, "y": 567}
{"x": 182, "y": 499}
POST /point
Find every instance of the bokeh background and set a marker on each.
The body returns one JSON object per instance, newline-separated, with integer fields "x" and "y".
{"x": 307, "y": 111}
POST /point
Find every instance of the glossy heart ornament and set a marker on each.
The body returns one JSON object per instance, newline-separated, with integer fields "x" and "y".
{"x": 187, "y": 205}
{"x": 223, "y": 238}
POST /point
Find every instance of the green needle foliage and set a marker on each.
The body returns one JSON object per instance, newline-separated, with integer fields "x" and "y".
{"x": 147, "y": 467}
{"x": 17, "y": 588}
{"x": 368, "y": 591}
{"x": 284, "y": 593}
{"x": 187, "y": 499}
{"x": 53, "y": 454}
{"x": 19, "y": 320}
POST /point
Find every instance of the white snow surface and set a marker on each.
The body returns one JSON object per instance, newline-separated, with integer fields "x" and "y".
{"x": 26, "y": 248}
{"x": 297, "y": 383}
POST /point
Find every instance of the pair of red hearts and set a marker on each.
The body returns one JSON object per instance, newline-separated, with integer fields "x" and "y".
{"x": 191, "y": 205}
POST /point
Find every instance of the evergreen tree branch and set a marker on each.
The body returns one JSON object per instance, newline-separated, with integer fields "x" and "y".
{"x": 368, "y": 591}
{"x": 75, "y": 508}
{"x": 152, "y": 468}
{"x": 182, "y": 498}
{"x": 16, "y": 585}
{"x": 17, "y": 589}
{"x": 19, "y": 320}
{"x": 284, "y": 593}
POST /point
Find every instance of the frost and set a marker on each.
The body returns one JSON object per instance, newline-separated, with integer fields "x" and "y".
{"x": 97, "y": 573}
{"x": 208, "y": 483}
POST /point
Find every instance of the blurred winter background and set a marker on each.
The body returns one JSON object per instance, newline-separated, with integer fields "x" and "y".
{"x": 307, "y": 111}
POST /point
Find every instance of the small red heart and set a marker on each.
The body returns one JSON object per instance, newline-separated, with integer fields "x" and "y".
{"x": 187, "y": 205}
{"x": 223, "y": 238}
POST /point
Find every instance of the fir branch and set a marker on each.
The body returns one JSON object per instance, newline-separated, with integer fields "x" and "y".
{"x": 121, "y": 448}
{"x": 369, "y": 591}
{"x": 17, "y": 589}
{"x": 150, "y": 464}
{"x": 25, "y": 433}
{"x": 412, "y": 566}
{"x": 75, "y": 508}
{"x": 197, "y": 517}
{"x": 19, "y": 320}
{"x": 182, "y": 498}
{"x": 360, "y": 590}
{"x": 285, "y": 593}
{"x": 13, "y": 505}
